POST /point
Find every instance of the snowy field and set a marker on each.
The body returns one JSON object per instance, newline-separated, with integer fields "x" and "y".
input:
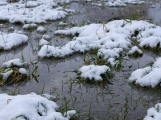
{"x": 70, "y": 59}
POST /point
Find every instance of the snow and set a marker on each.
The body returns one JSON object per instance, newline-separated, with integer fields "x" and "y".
{"x": 6, "y": 74}
{"x": 3, "y": 2}
{"x": 62, "y": 23}
{"x": 46, "y": 37}
{"x": 43, "y": 42}
{"x": 48, "y": 96}
{"x": 67, "y": 1}
{"x": 13, "y": 62}
{"x": 29, "y": 26}
{"x": 38, "y": 11}
{"x": 117, "y": 3}
{"x": 22, "y": 71}
{"x": 30, "y": 106}
{"x": 112, "y": 62}
{"x": 148, "y": 76}
{"x": 93, "y": 72}
{"x": 154, "y": 113}
{"x": 109, "y": 53}
{"x": 135, "y": 49}
{"x": 11, "y": 29}
{"x": 8, "y": 41}
{"x": 116, "y": 34}
{"x": 41, "y": 29}
{"x": 32, "y": 4}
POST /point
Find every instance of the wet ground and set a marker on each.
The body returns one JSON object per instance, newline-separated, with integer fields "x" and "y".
{"x": 93, "y": 101}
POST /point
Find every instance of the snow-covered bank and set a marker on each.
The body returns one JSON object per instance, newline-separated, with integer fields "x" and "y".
{"x": 31, "y": 107}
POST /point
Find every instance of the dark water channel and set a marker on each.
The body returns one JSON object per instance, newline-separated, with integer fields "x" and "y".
{"x": 102, "y": 102}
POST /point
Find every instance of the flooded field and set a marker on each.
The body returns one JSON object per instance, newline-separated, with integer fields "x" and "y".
{"x": 117, "y": 101}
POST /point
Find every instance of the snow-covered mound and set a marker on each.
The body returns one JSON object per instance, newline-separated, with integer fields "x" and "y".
{"x": 7, "y": 69}
{"x": 14, "y": 62}
{"x": 7, "y": 41}
{"x": 69, "y": 1}
{"x": 30, "y": 107}
{"x": 113, "y": 3}
{"x": 134, "y": 1}
{"x": 3, "y": 2}
{"x": 38, "y": 11}
{"x": 29, "y": 26}
{"x": 109, "y": 53}
{"x": 154, "y": 113}
{"x": 46, "y": 37}
{"x": 93, "y": 72}
{"x": 135, "y": 49}
{"x": 41, "y": 29}
{"x": 43, "y": 42}
{"x": 115, "y": 34}
{"x": 148, "y": 76}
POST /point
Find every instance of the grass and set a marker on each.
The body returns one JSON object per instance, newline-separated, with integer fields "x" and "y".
{"x": 136, "y": 54}
{"x": 14, "y": 78}
{"x": 155, "y": 49}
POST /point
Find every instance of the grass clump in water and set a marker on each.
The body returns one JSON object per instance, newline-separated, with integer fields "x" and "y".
{"x": 106, "y": 76}
{"x": 9, "y": 76}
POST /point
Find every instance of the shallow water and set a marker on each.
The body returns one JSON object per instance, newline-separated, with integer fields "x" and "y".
{"x": 117, "y": 101}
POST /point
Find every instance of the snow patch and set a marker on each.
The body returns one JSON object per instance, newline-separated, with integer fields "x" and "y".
{"x": 154, "y": 113}
{"x": 8, "y": 41}
{"x": 22, "y": 12}
{"x": 93, "y": 72}
{"x": 13, "y": 62}
{"x": 135, "y": 49}
{"x": 31, "y": 106}
{"x": 148, "y": 76}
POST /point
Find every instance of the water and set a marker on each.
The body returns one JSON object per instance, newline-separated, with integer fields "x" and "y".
{"x": 118, "y": 101}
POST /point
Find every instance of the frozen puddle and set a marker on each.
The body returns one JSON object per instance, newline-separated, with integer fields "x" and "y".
{"x": 30, "y": 106}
